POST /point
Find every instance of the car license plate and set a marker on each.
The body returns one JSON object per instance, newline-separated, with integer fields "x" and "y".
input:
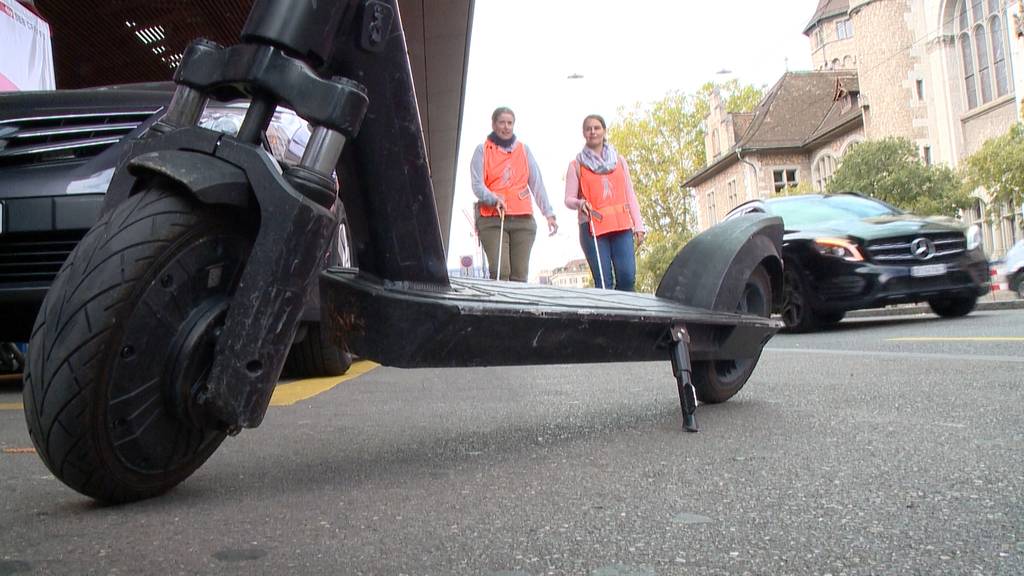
{"x": 928, "y": 270}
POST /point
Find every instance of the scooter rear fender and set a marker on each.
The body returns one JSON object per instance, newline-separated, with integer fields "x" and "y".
{"x": 710, "y": 272}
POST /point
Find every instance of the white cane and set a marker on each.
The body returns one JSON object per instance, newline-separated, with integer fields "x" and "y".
{"x": 501, "y": 238}
{"x": 597, "y": 252}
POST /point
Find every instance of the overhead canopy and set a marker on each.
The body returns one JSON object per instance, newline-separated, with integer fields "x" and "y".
{"x": 100, "y": 42}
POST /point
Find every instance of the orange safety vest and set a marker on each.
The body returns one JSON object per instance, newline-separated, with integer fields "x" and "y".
{"x": 507, "y": 174}
{"x": 606, "y": 194}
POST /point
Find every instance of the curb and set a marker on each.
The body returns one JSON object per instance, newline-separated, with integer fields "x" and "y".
{"x": 912, "y": 309}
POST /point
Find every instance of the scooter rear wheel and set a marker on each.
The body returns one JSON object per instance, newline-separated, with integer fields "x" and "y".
{"x": 124, "y": 341}
{"x": 719, "y": 380}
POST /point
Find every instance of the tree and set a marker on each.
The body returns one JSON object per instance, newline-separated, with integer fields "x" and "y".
{"x": 664, "y": 144}
{"x": 890, "y": 170}
{"x": 999, "y": 167}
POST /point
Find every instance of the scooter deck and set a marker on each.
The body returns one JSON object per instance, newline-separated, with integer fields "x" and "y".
{"x": 479, "y": 322}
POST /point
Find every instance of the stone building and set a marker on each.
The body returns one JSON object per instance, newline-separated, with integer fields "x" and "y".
{"x": 945, "y": 74}
{"x": 795, "y": 138}
{"x": 575, "y": 274}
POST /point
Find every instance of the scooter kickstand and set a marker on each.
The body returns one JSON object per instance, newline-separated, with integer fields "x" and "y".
{"x": 682, "y": 371}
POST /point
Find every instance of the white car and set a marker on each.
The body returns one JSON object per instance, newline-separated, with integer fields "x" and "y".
{"x": 1010, "y": 269}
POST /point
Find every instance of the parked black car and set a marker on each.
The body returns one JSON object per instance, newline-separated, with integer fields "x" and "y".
{"x": 847, "y": 252}
{"x": 58, "y": 151}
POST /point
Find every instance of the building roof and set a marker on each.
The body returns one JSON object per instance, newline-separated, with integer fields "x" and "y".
{"x": 740, "y": 123}
{"x": 827, "y": 9}
{"x": 571, "y": 267}
{"x": 801, "y": 109}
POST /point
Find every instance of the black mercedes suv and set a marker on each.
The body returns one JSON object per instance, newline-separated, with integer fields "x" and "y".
{"x": 58, "y": 152}
{"x": 845, "y": 252}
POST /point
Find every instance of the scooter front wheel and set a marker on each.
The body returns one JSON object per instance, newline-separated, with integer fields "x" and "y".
{"x": 123, "y": 344}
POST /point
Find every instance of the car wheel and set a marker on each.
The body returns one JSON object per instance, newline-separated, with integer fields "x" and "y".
{"x": 315, "y": 355}
{"x": 720, "y": 380}
{"x": 953, "y": 306}
{"x": 1017, "y": 284}
{"x": 796, "y": 310}
{"x": 831, "y": 319}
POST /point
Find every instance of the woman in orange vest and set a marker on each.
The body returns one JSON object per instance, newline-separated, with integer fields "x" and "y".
{"x": 598, "y": 185}
{"x": 504, "y": 177}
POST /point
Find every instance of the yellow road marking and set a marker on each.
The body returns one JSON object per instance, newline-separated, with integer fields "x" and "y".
{"x": 19, "y": 450}
{"x": 292, "y": 392}
{"x": 960, "y": 339}
{"x": 285, "y": 394}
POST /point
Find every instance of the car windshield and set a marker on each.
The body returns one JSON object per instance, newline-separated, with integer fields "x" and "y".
{"x": 808, "y": 211}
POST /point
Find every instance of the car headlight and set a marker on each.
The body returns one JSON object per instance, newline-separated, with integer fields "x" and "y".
{"x": 283, "y": 126}
{"x": 973, "y": 237}
{"x": 838, "y": 247}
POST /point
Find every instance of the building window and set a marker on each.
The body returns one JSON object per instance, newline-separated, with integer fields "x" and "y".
{"x": 926, "y": 155}
{"x": 999, "y": 57}
{"x": 712, "y": 211}
{"x": 823, "y": 170}
{"x": 920, "y": 89}
{"x": 784, "y": 178}
{"x": 732, "y": 194}
{"x": 982, "y": 38}
{"x": 819, "y": 37}
{"x": 715, "y": 150}
{"x": 844, "y": 29}
{"x": 1008, "y": 229}
{"x": 851, "y": 100}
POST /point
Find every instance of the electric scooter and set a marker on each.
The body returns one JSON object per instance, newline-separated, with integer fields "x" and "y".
{"x": 167, "y": 328}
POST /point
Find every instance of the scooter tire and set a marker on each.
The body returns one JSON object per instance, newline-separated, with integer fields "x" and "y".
{"x": 123, "y": 342}
{"x": 719, "y": 380}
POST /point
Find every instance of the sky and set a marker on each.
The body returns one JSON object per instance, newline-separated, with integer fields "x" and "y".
{"x": 628, "y": 53}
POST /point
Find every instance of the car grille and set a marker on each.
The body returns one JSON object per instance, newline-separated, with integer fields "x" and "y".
{"x": 59, "y": 138}
{"x": 897, "y": 250}
{"x": 957, "y": 279}
{"x": 35, "y": 258}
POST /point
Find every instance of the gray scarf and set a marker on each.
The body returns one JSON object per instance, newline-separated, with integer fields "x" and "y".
{"x": 602, "y": 164}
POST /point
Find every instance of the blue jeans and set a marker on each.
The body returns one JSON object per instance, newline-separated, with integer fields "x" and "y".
{"x": 618, "y": 262}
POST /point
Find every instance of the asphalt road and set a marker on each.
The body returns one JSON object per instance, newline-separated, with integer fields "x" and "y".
{"x": 884, "y": 446}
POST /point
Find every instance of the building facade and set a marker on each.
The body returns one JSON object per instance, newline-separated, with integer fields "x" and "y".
{"x": 945, "y": 74}
{"x": 575, "y": 274}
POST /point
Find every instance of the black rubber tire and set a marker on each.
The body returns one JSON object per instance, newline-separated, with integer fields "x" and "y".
{"x": 797, "y": 314}
{"x": 720, "y": 380}
{"x": 315, "y": 356}
{"x": 953, "y": 307}
{"x": 11, "y": 359}
{"x": 99, "y": 395}
{"x": 1017, "y": 283}
{"x": 830, "y": 319}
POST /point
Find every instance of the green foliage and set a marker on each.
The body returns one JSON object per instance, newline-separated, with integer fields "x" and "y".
{"x": 664, "y": 145}
{"x": 999, "y": 167}
{"x": 798, "y": 190}
{"x": 890, "y": 170}
{"x": 655, "y": 256}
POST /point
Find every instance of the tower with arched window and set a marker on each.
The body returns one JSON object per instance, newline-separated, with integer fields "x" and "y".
{"x": 945, "y": 74}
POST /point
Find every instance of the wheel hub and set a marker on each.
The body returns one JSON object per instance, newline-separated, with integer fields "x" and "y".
{"x": 191, "y": 357}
